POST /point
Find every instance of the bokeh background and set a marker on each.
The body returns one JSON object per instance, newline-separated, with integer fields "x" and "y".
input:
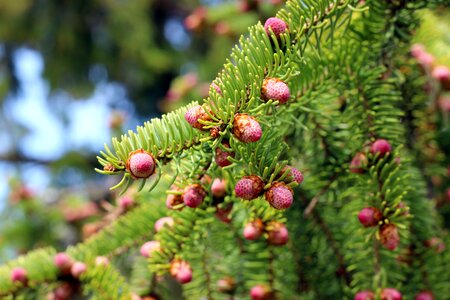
{"x": 74, "y": 73}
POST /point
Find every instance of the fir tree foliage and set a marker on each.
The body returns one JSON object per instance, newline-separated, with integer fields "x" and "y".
{"x": 340, "y": 59}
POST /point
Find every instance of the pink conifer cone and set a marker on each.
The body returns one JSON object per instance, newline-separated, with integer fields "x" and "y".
{"x": 162, "y": 222}
{"x": 149, "y": 247}
{"x": 181, "y": 271}
{"x": 126, "y": 202}
{"x": 365, "y": 295}
{"x": 218, "y": 188}
{"x": 246, "y": 128}
{"x": 417, "y": 50}
{"x": 77, "y": 269}
{"x": 217, "y": 88}
{"x": 101, "y": 261}
{"x": 381, "y": 147}
{"x": 253, "y": 230}
{"x": 260, "y": 292}
{"x": 140, "y": 164}
{"x": 278, "y": 234}
{"x": 63, "y": 262}
{"x": 389, "y": 237}
{"x": 19, "y": 274}
{"x": 441, "y": 73}
{"x": 279, "y": 195}
{"x": 194, "y": 114}
{"x": 278, "y": 26}
{"x": 358, "y": 163}
{"x": 222, "y": 155}
{"x": 249, "y": 187}
{"x": 390, "y": 294}
{"x": 296, "y": 174}
{"x": 193, "y": 195}
{"x": 275, "y": 89}
{"x": 425, "y": 295}
{"x": 369, "y": 216}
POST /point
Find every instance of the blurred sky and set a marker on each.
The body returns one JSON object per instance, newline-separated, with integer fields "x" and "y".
{"x": 55, "y": 122}
{"x": 84, "y": 126}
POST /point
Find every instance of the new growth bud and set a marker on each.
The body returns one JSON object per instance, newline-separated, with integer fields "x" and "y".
{"x": 370, "y": 216}
{"x": 193, "y": 195}
{"x": 246, "y": 129}
{"x": 278, "y": 234}
{"x": 278, "y": 26}
{"x": 275, "y": 89}
{"x": 19, "y": 274}
{"x": 389, "y": 237}
{"x": 249, "y": 187}
{"x": 140, "y": 164}
{"x": 181, "y": 271}
{"x": 279, "y": 195}
{"x": 381, "y": 147}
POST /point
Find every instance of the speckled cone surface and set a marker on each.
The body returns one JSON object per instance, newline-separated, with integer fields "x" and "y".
{"x": 246, "y": 128}
{"x": 140, "y": 164}
{"x": 249, "y": 187}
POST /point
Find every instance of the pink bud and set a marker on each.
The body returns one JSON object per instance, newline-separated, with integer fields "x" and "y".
{"x": 435, "y": 243}
{"x": 425, "y": 59}
{"x": 126, "y": 202}
{"x": 278, "y": 234}
{"x": 194, "y": 114}
{"x": 64, "y": 291}
{"x": 217, "y": 88}
{"x": 249, "y": 187}
{"x": 162, "y": 222}
{"x": 389, "y": 237}
{"x": 184, "y": 275}
{"x": 417, "y": 50}
{"x": 101, "y": 261}
{"x": 296, "y": 174}
{"x": 278, "y": 26}
{"x": 193, "y": 195}
{"x": 260, "y": 292}
{"x": 246, "y": 129}
{"x": 253, "y": 230}
{"x": 369, "y": 216}
{"x": 19, "y": 274}
{"x": 222, "y": 155}
{"x": 140, "y": 164}
{"x": 358, "y": 163}
{"x": 181, "y": 270}
{"x": 441, "y": 73}
{"x": 63, "y": 262}
{"x": 226, "y": 285}
{"x": 275, "y": 89}
{"x": 149, "y": 247}
{"x": 444, "y": 104}
{"x": 390, "y": 294}
{"x": 223, "y": 213}
{"x": 219, "y": 188}
{"x": 279, "y": 195}
{"x": 381, "y": 147}
{"x": 77, "y": 269}
{"x": 365, "y": 295}
{"x": 173, "y": 200}
{"x": 425, "y": 295}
